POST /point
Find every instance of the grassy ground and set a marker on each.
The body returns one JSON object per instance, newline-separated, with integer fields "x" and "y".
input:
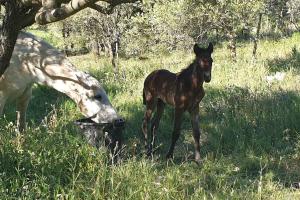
{"x": 250, "y": 135}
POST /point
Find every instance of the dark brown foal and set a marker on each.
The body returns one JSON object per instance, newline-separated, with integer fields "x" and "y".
{"x": 183, "y": 90}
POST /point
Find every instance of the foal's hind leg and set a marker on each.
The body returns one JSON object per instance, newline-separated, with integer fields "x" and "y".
{"x": 155, "y": 123}
{"x": 150, "y": 106}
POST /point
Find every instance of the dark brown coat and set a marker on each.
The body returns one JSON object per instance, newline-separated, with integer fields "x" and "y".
{"x": 183, "y": 90}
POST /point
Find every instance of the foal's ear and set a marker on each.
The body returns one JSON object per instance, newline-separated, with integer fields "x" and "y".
{"x": 210, "y": 47}
{"x": 197, "y": 49}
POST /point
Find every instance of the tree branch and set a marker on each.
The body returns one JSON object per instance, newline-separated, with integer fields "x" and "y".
{"x": 101, "y": 9}
{"x": 52, "y": 15}
{"x": 112, "y": 5}
{"x": 31, "y": 2}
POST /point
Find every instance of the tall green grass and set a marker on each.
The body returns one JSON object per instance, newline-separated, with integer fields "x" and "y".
{"x": 250, "y": 140}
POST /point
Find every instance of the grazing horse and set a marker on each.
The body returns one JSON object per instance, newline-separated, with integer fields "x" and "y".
{"x": 183, "y": 90}
{"x": 35, "y": 61}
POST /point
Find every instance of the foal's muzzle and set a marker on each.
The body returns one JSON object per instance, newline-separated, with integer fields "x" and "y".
{"x": 207, "y": 80}
{"x": 207, "y": 77}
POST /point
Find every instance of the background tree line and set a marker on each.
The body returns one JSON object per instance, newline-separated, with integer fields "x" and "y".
{"x": 155, "y": 26}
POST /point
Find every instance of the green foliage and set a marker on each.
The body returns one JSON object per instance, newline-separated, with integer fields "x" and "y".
{"x": 161, "y": 28}
{"x": 53, "y": 37}
{"x": 171, "y": 25}
{"x": 154, "y": 26}
{"x": 249, "y": 144}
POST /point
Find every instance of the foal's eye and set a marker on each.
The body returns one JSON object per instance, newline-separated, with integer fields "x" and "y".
{"x": 98, "y": 97}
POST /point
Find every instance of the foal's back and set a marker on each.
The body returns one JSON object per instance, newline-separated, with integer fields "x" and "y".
{"x": 160, "y": 84}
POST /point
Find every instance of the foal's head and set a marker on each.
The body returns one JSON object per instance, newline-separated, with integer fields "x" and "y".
{"x": 204, "y": 60}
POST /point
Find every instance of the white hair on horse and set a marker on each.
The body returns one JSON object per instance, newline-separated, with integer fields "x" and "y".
{"x": 36, "y": 61}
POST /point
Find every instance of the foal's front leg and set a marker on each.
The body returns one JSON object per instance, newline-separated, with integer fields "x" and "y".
{"x": 196, "y": 131}
{"x": 176, "y": 131}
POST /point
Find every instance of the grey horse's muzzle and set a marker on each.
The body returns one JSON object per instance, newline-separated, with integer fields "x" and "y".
{"x": 119, "y": 123}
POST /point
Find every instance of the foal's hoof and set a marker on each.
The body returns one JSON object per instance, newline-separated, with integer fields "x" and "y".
{"x": 198, "y": 161}
{"x": 169, "y": 156}
{"x": 149, "y": 154}
{"x": 194, "y": 159}
{"x": 197, "y": 158}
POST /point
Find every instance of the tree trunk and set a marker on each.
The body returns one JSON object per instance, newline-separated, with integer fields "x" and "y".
{"x": 217, "y": 35}
{"x": 96, "y": 47}
{"x": 9, "y": 34}
{"x": 65, "y": 35}
{"x": 17, "y": 16}
{"x": 256, "y": 37}
{"x": 232, "y": 45}
{"x": 107, "y": 48}
{"x": 115, "y": 56}
{"x": 68, "y": 45}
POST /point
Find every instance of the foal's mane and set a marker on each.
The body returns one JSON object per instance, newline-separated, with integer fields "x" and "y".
{"x": 187, "y": 70}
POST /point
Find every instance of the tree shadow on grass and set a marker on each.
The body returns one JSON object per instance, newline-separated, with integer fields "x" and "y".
{"x": 256, "y": 130}
{"x": 252, "y": 131}
{"x": 241, "y": 116}
{"x": 292, "y": 61}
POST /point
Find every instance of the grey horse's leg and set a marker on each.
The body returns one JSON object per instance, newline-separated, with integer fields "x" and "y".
{"x": 22, "y": 104}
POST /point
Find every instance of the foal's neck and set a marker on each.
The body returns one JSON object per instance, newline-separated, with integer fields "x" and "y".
{"x": 196, "y": 74}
